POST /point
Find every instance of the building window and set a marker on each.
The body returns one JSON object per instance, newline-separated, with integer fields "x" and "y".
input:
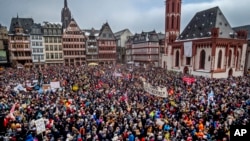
{"x": 46, "y": 39}
{"x": 60, "y": 47}
{"x": 56, "y": 48}
{"x": 52, "y": 56}
{"x": 60, "y": 55}
{"x": 188, "y": 60}
{"x": 219, "y": 59}
{"x": 51, "y": 47}
{"x": 172, "y": 24}
{"x": 41, "y": 50}
{"x": 47, "y": 55}
{"x": 34, "y": 50}
{"x": 46, "y": 47}
{"x": 104, "y": 35}
{"x": 202, "y": 59}
{"x": 56, "y": 55}
{"x": 173, "y": 7}
{"x": 42, "y": 57}
{"x": 229, "y": 58}
{"x": 177, "y": 56}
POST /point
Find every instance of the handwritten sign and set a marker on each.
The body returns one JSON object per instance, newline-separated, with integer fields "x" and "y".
{"x": 157, "y": 91}
{"x": 40, "y": 126}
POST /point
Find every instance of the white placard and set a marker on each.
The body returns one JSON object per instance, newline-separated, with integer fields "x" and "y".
{"x": 40, "y": 126}
{"x": 157, "y": 91}
{"x": 188, "y": 49}
{"x": 55, "y": 84}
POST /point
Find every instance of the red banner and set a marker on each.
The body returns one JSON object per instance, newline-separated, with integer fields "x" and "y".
{"x": 188, "y": 80}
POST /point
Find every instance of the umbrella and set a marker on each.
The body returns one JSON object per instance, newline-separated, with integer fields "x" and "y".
{"x": 92, "y": 64}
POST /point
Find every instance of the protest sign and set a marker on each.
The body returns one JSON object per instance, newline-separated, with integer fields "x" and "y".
{"x": 157, "y": 91}
{"x": 40, "y": 126}
{"x": 55, "y": 84}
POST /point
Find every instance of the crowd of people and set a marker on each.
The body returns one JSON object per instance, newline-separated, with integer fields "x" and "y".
{"x": 93, "y": 103}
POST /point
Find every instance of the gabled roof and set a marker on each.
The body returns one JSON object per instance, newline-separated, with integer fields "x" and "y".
{"x": 244, "y": 27}
{"x": 25, "y": 23}
{"x": 119, "y": 33}
{"x": 106, "y": 32}
{"x": 73, "y": 26}
{"x": 201, "y": 24}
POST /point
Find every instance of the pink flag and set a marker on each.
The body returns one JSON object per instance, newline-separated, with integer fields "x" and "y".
{"x": 13, "y": 108}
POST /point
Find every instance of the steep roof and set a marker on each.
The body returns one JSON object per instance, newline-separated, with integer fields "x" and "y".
{"x": 244, "y": 27}
{"x": 201, "y": 24}
{"x": 106, "y": 32}
{"x": 119, "y": 33}
{"x": 25, "y": 23}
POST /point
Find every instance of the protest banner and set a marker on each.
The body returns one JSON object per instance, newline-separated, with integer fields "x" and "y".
{"x": 40, "y": 126}
{"x": 157, "y": 91}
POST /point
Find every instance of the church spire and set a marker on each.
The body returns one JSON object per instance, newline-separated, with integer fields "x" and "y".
{"x": 65, "y": 4}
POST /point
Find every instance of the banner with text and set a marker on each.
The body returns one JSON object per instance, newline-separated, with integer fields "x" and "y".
{"x": 157, "y": 91}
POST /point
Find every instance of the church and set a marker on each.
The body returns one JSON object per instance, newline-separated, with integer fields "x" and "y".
{"x": 208, "y": 46}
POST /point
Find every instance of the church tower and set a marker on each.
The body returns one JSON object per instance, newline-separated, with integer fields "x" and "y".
{"x": 172, "y": 20}
{"x": 65, "y": 15}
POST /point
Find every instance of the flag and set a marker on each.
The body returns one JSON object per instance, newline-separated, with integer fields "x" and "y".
{"x": 188, "y": 80}
{"x": 210, "y": 97}
{"x": 13, "y": 108}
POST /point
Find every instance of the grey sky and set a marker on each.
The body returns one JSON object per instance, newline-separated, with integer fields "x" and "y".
{"x": 136, "y": 15}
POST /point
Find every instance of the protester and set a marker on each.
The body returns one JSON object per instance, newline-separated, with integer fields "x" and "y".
{"x": 107, "y": 102}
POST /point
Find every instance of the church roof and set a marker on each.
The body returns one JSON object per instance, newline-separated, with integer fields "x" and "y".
{"x": 201, "y": 24}
{"x": 244, "y": 27}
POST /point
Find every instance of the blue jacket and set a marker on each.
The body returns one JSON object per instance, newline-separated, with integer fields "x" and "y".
{"x": 131, "y": 137}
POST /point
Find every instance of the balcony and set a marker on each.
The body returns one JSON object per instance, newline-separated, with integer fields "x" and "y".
{"x": 151, "y": 52}
{"x": 73, "y": 49}
{"x": 92, "y": 53}
{"x": 107, "y": 51}
{"x": 19, "y": 41}
{"x": 74, "y": 56}
{"x": 21, "y": 57}
{"x": 20, "y": 49}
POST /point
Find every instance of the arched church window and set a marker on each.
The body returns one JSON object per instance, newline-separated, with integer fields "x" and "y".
{"x": 172, "y": 24}
{"x": 229, "y": 58}
{"x": 219, "y": 61}
{"x": 177, "y": 56}
{"x": 237, "y": 59}
{"x": 202, "y": 59}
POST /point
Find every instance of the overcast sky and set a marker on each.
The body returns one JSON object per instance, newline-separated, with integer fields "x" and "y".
{"x": 136, "y": 15}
